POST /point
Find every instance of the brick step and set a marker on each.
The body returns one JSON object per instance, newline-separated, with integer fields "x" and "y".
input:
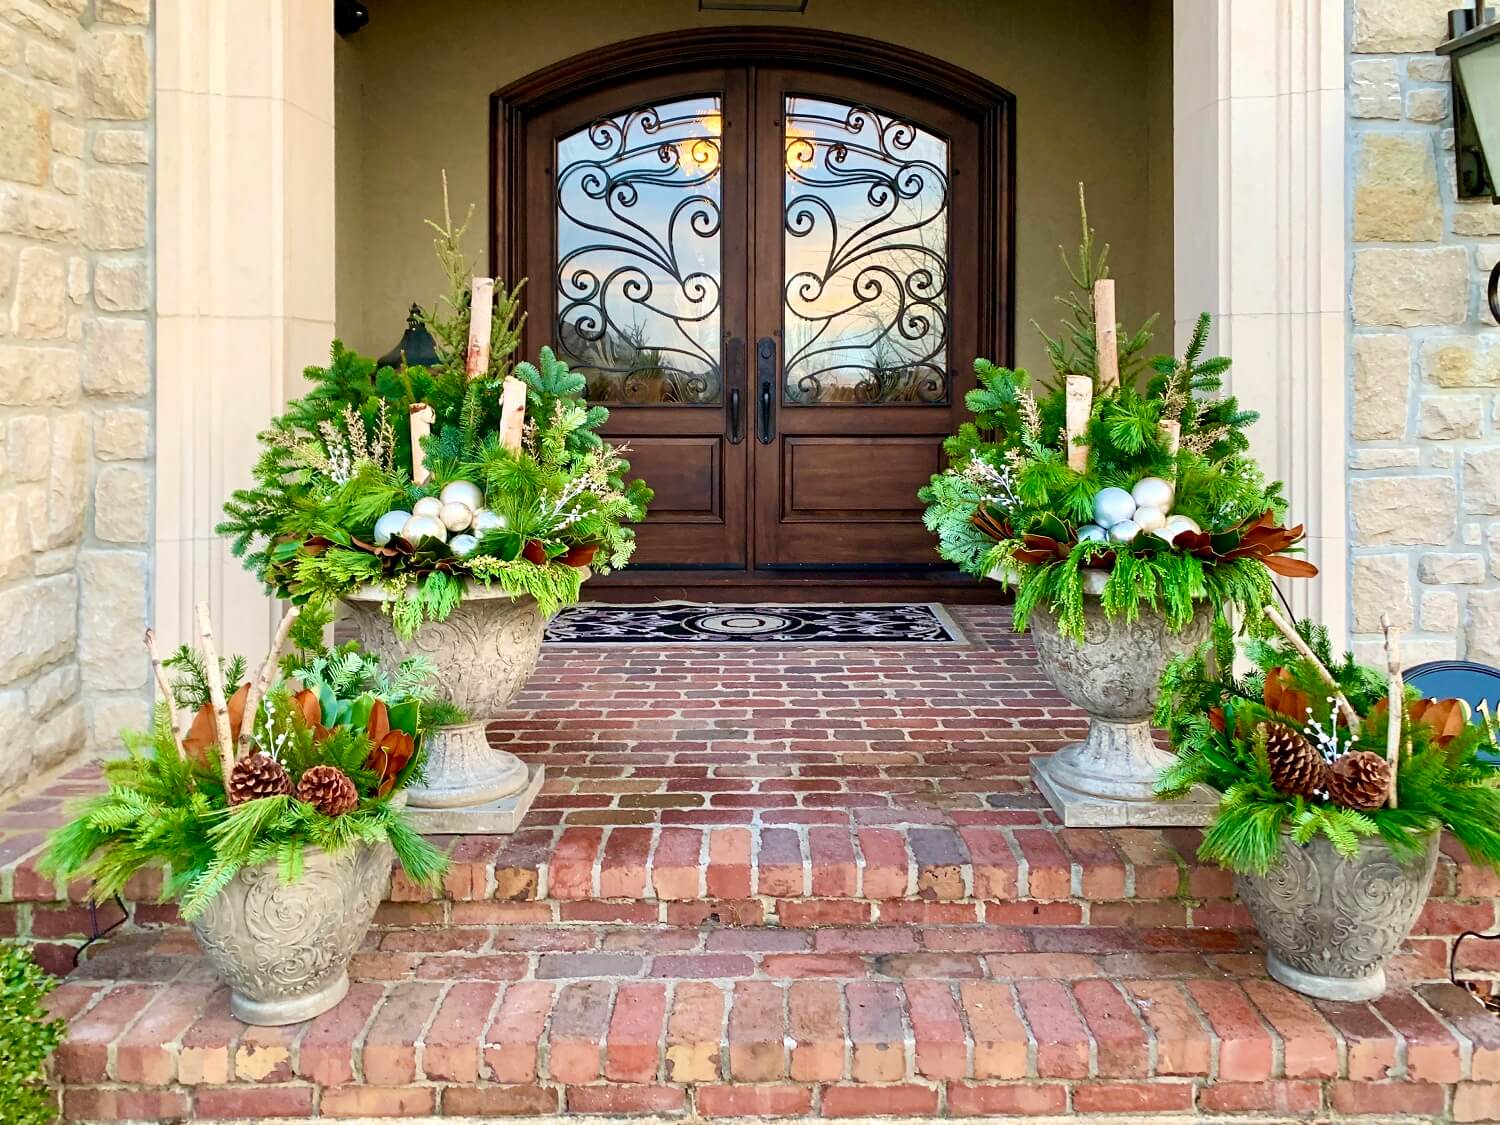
{"x": 641, "y": 1022}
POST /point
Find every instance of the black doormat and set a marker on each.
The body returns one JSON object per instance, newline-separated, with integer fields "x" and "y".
{"x": 667, "y": 623}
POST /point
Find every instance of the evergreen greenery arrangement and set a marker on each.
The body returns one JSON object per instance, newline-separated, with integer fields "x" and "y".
{"x": 1133, "y": 469}
{"x": 27, "y": 1037}
{"x": 339, "y": 479}
{"x": 316, "y": 759}
{"x": 1304, "y": 745}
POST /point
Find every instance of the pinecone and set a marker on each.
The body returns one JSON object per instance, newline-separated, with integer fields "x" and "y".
{"x": 1360, "y": 780}
{"x": 328, "y": 789}
{"x": 258, "y": 775}
{"x": 1297, "y": 769}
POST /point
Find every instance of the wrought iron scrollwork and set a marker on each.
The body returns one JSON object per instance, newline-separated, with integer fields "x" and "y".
{"x": 866, "y": 237}
{"x": 638, "y": 270}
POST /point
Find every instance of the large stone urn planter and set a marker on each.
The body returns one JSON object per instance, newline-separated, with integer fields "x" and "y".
{"x": 1109, "y": 778}
{"x": 1328, "y": 922}
{"x": 284, "y": 948}
{"x": 485, "y": 652}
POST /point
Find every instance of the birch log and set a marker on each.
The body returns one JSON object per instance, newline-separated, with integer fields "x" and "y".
{"x": 166, "y": 692}
{"x": 422, "y": 417}
{"x": 512, "y": 413}
{"x": 1171, "y": 436}
{"x": 215, "y": 676}
{"x": 261, "y": 682}
{"x": 1285, "y": 628}
{"x": 1106, "y": 342}
{"x": 481, "y": 315}
{"x": 1080, "y": 402}
{"x": 1395, "y": 704}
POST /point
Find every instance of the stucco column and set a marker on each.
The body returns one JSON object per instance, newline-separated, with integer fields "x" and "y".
{"x": 1258, "y": 145}
{"x": 244, "y": 213}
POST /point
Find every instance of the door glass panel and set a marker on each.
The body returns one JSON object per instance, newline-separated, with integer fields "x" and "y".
{"x": 638, "y": 253}
{"x": 865, "y": 289}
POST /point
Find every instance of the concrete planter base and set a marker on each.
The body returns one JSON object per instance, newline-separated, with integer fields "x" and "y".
{"x": 284, "y": 948}
{"x": 1109, "y": 777}
{"x": 1329, "y": 923}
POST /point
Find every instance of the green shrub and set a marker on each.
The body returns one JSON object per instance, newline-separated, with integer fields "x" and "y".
{"x": 27, "y": 1037}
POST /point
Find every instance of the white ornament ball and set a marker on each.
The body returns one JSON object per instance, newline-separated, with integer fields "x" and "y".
{"x": 428, "y": 506}
{"x": 486, "y": 520}
{"x": 462, "y": 545}
{"x": 1124, "y": 531}
{"x": 1092, "y": 533}
{"x": 1153, "y": 492}
{"x": 421, "y": 527}
{"x": 390, "y": 525}
{"x": 456, "y": 516}
{"x": 1176, "y": 525}
{"x": 464, "y": 492}
{"x": 1112, "y": 506}
{"x": 1150, "y": 518}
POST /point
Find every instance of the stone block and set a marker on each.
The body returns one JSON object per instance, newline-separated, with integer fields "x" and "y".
{"x": 67, "y": 482}
{"x": 57, "y": 737}
{"x": 116, "y": 364}
{"x": 121, "y": 284}
{"x": 41, "y": 625}
{"x": 1481, "y": 481}
{"x": 67, "y": 176}
{"x": 28, "y": 441}
{"x": 1381, "y": 585}
{"x": 1427, "y": 106}
{"x": 1382, "y": 386}
{"x": 67, "y": 138}
{"x": 1406, "y": 288}
{"x": 111, "y": 715}
{"x": 41, "y": 215}
{"x": 39, "y": 310}
{"x": 1445, "y": 417}
{"x": 122, "y": 504}
{"x": 114, "y": 210}
{"x": 1427, "y": 68}
{"x": 1395, "y": 189}
{"x": 121, "y": 146}
{"x": 1404, "y": 511}
{"x": 49, "y": 64}
{"x": 52, "y": 689}
{"x": 1440, "y": 611}
{"x": 38, "y": 376}
{"x": 1404, "y": 458}
{"x": 116, "y": 76}
{"x": 25, "y": 132}
{"x": 1482, "y": 631}
{"x": 1461, "y": 361}
{"x": 123, "y": 11}
{"x": 1399, "y": 26}
{"x": 122, "y": 434}
{"x": 1374, "y": 89}
{"x": 1475, "y": 220}
{"x": 1450, "y": 570}
{"x": 15, "y": 540}
{"x": 113, "y": 618}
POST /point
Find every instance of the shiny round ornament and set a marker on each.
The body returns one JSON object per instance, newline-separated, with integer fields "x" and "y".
{"x": 389, "y": 526}
{"x": 1153, "y": 492}
{"x": 421, "y": 527}
{"x": 1124, "y": 531}
{"x": 464, "y": 492}
{"x": 462, "y": 545}
{"x": 1092, "y": 533}
{"x": 1112, "y": 506}
{"x": 428, "y": 506}
{"x": 456, "y": 516}
{"x": 1176, "y": 525}
{"x": 486, "y": 520}
{"x": 1150, "y": 518}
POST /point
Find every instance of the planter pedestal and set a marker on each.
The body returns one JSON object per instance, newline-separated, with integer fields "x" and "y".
{"x": 1108, "y": 779}
{"x": 485, "y": 652}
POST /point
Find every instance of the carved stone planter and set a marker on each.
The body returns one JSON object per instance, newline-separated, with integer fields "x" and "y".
{"x": 284, "y": 948}
{"x": 1328, "y": 922}
{"x": 485, "y": 652}
{"x": 1109, "y": 777}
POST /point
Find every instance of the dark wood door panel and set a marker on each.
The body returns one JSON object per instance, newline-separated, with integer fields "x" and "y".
{"x": 856, "y": 479}
{"x": 686, "y": 474}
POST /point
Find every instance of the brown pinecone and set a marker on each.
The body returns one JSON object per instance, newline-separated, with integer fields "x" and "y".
{"x": 328, "y": 789}
{"x": 1360, "y": 780}
{"x": 1297, "y": 769}
{"x": 258, "y": 775}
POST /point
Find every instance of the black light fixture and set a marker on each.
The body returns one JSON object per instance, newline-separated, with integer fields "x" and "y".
{"x": 349, "y": 16}
{"x": 416, "y": 347}
{"x": 1474, "y": 51}
{"x": 794, "y": 6}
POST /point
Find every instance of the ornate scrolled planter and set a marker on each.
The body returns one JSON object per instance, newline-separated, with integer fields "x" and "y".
{"x": 484, "y": 652}
{"x": 284, "y": 948}
{"x": 1328, "y": 922}
{"x": 1109, "y": 778}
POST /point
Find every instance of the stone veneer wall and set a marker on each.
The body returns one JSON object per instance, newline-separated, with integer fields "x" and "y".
{"x": 75, "y": 375}
{"x": 1425, "y": 429}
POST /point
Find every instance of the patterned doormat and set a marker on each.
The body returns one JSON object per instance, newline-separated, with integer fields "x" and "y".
{"x": 692, "y": 623}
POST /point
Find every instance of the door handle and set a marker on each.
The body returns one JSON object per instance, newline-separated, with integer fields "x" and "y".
{"x": 736, "y": 380}
{"x": 765, "y": 374}
{"x": 735, "y": 436}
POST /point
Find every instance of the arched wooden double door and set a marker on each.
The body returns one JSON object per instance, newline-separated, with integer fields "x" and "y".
{"x": 776, "y": 276}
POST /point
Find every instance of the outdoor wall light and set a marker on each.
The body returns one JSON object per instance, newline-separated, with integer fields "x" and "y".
{"x": 1474, "y": 51}
{"x": 752, "y": 5}
{"x": 416, "y": 347}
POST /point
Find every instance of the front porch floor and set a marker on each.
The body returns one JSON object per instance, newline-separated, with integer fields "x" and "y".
{"x": 779, "y": 882}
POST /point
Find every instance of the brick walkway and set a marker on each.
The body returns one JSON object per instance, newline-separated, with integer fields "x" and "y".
{"x": 780, "y": 882}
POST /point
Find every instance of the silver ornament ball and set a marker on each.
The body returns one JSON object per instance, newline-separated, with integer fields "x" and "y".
{"x": 486, "y": 520}
{"x": 462, "y": 545}
{"x": 421, "y": 527}
{"x": 1092, "y": 533}
{"x": 428, "y": 506}
{"x": 456, "y": 516}
{"x": 464, "y": 492}
{"x": 390, "y": 525}
{"x": 1112, "y": 506}
{"x": 1150, "y": 518}
{"x": 1153, "y": 492}
{"x": 1124, "y": 531}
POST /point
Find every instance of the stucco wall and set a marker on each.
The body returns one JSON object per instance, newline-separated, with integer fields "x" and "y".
{"x": 75, "y": 376}
{"x": 1425, "y": 358}
{"x": 1093, "y": 104}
